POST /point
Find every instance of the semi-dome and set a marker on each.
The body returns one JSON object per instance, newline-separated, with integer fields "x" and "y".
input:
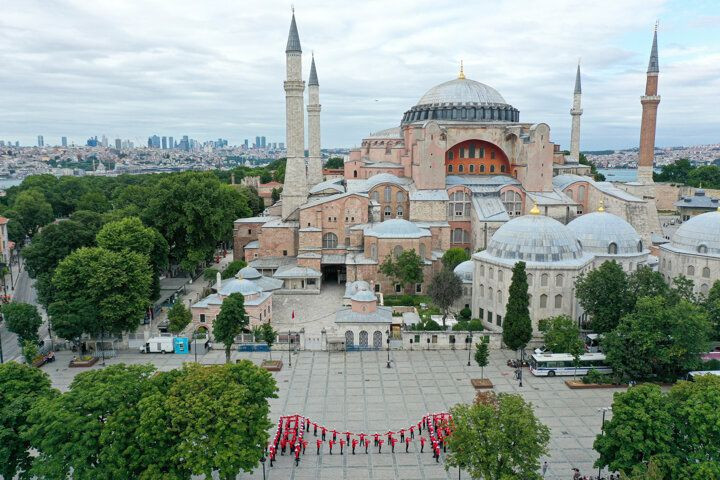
{"x": 534, "y": 238}
{"x": 465, "y": 270}
{"x": 606, "y": 234}
{"x": 396, "y": 228}
{"x": 700, "y": 234}
{"x": 243, "y": 286}
{"x": 462, "y": 91}
{"x": 248, "y": 272}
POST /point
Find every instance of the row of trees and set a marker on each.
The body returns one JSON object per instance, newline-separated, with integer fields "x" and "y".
{"x": 133, "y": 422}
{"x": 684, "y": 172}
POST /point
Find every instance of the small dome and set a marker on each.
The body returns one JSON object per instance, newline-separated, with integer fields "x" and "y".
{"x": 534, "y": 238}
{"x": 599, "y": 231}
{"x": 465, "y": 270}
{"x": 700, "y": 234}
{"x": 364, "y": 296}
{"x": 357, "y": 286}
{"x": 396, "y": 228}
{"x": 243, "y": 286}
{"x": 462, "y": 91}
{"x": 248, "y": 272}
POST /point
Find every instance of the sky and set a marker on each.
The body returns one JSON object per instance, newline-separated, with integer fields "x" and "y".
{"x": 133, "y": 68}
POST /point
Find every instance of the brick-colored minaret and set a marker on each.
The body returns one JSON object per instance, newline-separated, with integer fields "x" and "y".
{"x": 650, "y": 103}
{"x": 314, "y": 161}
{"x": 295, "y": 188}
{"x": 576, "y": 112}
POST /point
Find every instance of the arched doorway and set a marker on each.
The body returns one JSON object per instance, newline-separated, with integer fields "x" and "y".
{"x": 363, "y": 339}
{"x": 349, "y": 339}
{"x": 377, "y": 339}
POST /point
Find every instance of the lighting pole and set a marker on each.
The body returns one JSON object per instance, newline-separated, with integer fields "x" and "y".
{"x": 469, "y": 342}
{"x": 289, "y": 349}
{"x": 262, "y": 461}
{"x": 387, "y": 332}
{"x": 602, "y": 427}
{"x": 522, "y": 358}
{"x": 195, "y": 345}
{"x": 102, "y": 346}
{"x": 2, "y": 318}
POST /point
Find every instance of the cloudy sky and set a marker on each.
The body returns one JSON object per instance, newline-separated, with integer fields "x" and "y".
{"x": 131, "y": 68}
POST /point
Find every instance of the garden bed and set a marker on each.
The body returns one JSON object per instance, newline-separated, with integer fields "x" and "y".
{"x": 272, "y": 365}
{"x": 479, "y": 383}
{"x": 579, "y": 385}
{"x": 83, "y": 362}
{"x": 39, "y": 361}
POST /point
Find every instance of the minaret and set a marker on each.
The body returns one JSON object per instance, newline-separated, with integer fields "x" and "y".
{"x": 314, "y": 162}
{"x": 295, "y": 189}
{"x": 576, "y": 112}
{"x": 650, "y": 103}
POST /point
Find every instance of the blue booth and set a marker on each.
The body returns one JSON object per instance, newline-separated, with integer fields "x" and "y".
{"x": 182, "y": 345}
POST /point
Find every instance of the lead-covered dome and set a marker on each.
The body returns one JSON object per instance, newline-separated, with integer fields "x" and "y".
{"x": 462, "y": 91}
{"x": 464, "y": 270}
{"x": 243, "y": 286}
{"x": 700, "y": 234}
{"x": 249, "y": 273}
{"x": 606, "y": 234}
{"x": 535, "y": 238}
{"x": 396, "y": 228}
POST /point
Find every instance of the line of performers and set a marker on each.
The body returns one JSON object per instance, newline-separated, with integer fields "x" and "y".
{"x": 289, "y": 437}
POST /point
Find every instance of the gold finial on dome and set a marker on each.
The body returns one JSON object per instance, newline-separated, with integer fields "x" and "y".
{"x": 461, "y": 75}
{"x": 535, "y": 210}
{"x": 601, "y": 208}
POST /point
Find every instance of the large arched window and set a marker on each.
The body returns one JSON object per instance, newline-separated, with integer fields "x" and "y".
{"x": 482, "y": 290}
{"x": 704, "y": 289}
{"x": 501, "y": 274}
{"x": 388, "y": 194}
{"x": 397, "y": 251}
{"x": 530, "y": 278}
{"x": 400, "y": 197}
{"x": 330, "y": 240}
{"x": 388, "y": 212}
{"x": 706, "y": 272}
{"x": 400, "y": 211}
{"x": 512, "y": 201}
{"x": 690, "y": 270}
{"x": 499, "y": 296}
{"x": 558, "y": 301}
{"x": 581, "y": 193}
{"x": 375, "y": 196}
{"x": 544, "y": 280}
{"x": 422, "y": 251}
{"x": 559, "y": 280}
{"x": 543, "y": 301}
{"x": 373, "y": 251}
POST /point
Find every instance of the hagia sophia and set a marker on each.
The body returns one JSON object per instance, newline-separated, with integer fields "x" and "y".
{"x": 461, "y": 169}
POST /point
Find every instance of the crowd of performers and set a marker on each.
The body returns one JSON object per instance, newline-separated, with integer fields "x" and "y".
{"x": 291, "y": 429}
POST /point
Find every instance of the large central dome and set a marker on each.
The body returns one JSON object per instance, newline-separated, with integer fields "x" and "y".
{"x": 462, "y": 91}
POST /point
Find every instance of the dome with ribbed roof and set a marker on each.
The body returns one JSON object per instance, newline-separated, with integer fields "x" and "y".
{"x": 249, "y": 273}
{"x": 599, "y": 231}
{"x": 700, "y": 234}
{"x": 465, "y": 270}
{"x": 396, "y": 228}
{"x": 462, "y": 91}
{"x": 243, "y": 286}
{"x": 535, "y": 238}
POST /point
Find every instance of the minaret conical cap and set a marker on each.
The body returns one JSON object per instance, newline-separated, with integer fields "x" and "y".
{"x": 654, "y": 66}
{"x": 578, "y": 87}
{"x": 313, "y": 74}
{"x": 293, "y": 43}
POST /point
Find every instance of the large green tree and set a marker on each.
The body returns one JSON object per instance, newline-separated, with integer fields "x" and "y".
{"x": 517, "y": 327}
{"x": 603, "y": 294}
{"x": 560, "y": 334}
{"x": 646, "y": 282}
{"x": 130, "y": 235}
{"x": 32, "y": 211}
{"x": 230, "y": 321}
{"x": 659, "y": 340}
{"x": 179, "y": 317}
{"x": 712, "y": 305}
{"x": 453, "y": 257}
{"x": 21, "y": 386}
{"x": 22, "y": 319}
{"x": 405, "y": 269}
{"x": 233, "y": 268}
{"x": 499, "y": 438}
{"x": 98, "y": 291}
{"x": 335, "y": 162}
{"x": 445, "y": 288}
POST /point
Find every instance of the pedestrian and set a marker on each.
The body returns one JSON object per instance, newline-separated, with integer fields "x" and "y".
{"x": 324, "y": 431}
{"x": 412, "y": 431}
{"x": 422, "y": 444}
{"x": 544, "y": 468}
{"x": 304, "y": 445}
{"x": 576, "y": 474}
{"x": 331, "y": 443}
{"x": 393, "y": 441}
{"x": 376, "y": 436}
{"x": 380, "y": 442}
{"x": 419, "y": 425}
{"x": 297, "y": 455}
{"x": 347, "y": 438}
{"x": 315, "y": 429}
{"x": 354, "y": 444}
{"x": 407, "y": 444}
{"x": 342, "y": 444}
{"x": 319, "y": 443}
{"x": 334, "y": 432}
{"x": 402, "y": 434}
{"x": 362, "y": 438}
{"x": 367, "y": 444}
{"x": 283, "y": 446}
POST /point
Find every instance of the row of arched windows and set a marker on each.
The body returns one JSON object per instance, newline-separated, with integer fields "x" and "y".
{"x": 472, "y": 169}
{"x": 499, "y": 297}
{"x": 491, "y": 273}
{"x": 545, "y": 279}
{"x": 691, "y": 271}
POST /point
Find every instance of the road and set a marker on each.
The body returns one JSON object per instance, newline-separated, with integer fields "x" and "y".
{"x": 24, "y": 292}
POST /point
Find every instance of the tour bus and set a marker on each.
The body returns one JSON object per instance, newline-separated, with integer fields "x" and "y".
{"x": 693, "y": 375}
{"x": 551, "y": 364}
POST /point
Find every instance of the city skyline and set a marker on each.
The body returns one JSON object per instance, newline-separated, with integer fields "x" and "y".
{"x": 191, "y": 74}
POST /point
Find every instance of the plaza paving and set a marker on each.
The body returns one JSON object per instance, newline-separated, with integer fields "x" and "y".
{"x": 355, "y": 391}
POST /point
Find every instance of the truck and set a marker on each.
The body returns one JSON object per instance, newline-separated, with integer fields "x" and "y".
{"x": 158, "y": 345}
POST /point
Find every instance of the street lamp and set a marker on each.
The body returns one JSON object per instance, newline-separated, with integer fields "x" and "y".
{"x": 520, "y": 371}
{"x": 387, "y": 332}
{"x": 289, "y": 349}
{"x": 195, "y": 345}
{"x": 2, "y": 318}
{"x": 262, "y": 461}
{"x": 469, "y": 342}
{"x": 602, "y": 426}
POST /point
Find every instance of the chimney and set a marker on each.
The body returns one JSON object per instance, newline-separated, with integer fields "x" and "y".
{"x": 218, "y": 282}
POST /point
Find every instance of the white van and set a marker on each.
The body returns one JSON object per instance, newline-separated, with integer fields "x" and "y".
{"x": 159, "y": 345}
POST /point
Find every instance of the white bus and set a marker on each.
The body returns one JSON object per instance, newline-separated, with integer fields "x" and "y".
{"x": 699, "y": 373}
{"x": 551, "y": 364}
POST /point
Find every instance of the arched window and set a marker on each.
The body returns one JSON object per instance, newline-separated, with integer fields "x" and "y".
{"x": 482, "y": 168}
{"x": 704, "y": 288}
{"x": 612, "y": 248}
{"x": 459, "y": 205}
{"x": 581, "y": 193}
{"x": 706, "y": 272}
{"x": 640, "y": 246}
{"x": 490, "y": 294}
{"x": 400, "y": 211}
{"x": 499, "y": 296}
{"x": 544, "y": 280}
{"x": 388, "y": 212}
{"x": 330, "y": 240}
{"x": 450, "y": 169}
{"x": 472, "y": 168}
{"x": 702, "y": 248}
{"x": 388, "y": 194}
{"x": 375, "y": 196}
{"x": 543, "y": 301}
{"x": 482, "y": 270}
{"x": 482, "y": 290}
{"x": 347, "y": 241}
{"x": 422, "y": 251}
{"x": 400, "y": 197}
{"x": 397, "y": 251}
{"x": 559, "y": 280}
{"x": 558, "y": 301}
{"x": 461, "y": 168}
{"x": 373, "y": 251}
{"x": 491, "y": 273}
{"x": 492, "y": 168}
{"x": 530, "y": 278}
{"x": 690, "y": 270}
{"x": 512, "y": 202}
{"x": 501, "y": 274}
{"x": 354, "y": 173}
{"x": 502, "y": 168}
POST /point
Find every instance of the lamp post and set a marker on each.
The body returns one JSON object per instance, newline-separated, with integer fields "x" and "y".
{"x": 469, "y": 342}
{"x": 2, "y": 319}
{"x": 195, "y": 345}
{"x": 602, "y": 427}
{"x": 289, "y": 349}
{"x": 520, "y": 371}
{"x": 262, "y": 461}
{"x": 387, "y": 332}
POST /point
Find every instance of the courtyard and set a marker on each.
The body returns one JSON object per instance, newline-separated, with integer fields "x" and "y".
{"x": 356, "y": 391}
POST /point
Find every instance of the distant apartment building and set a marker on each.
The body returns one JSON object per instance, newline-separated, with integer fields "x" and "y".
{"x": 41, "y": 141}
{"x": 171, "y": 143}
{"x": 257, "y": 142}
{"x": 245, "y": 144}
{"x": 164, "y": 143}
{"x": 5, "y": 244}
{"x": 118, "y": 144}
{"x": 262, "y": 142}
{"x": 63, "y": 141}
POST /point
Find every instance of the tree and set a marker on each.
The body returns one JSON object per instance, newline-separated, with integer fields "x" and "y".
{"x": 21, "y": 386}
{"x": 130, "y": 235}
{"x": 98, "y": 291}
{"x": 265, "y": 177}
{"x": 233, "y": 268}
{"x": 560, "y": 334}
{"x": 603, "y": 293}
{"x": 335, "y": 162}
{"x": 230, "y": 321}
{"x": 275, "y": 194}
{"x": 445, "y": 288}
{"x": 497, "y": 439}
{"x": 712, "y": 305}
{"x": 517, "y": 328}
{"x": 683, "y": 288}
{"x": 482, "y": 354}
{"x": 453, "y": 257}
{"x": 645, "y": 282}
{"x": 406, "y": 269}
{"x": 94, "y": 202}
{"x": 32, "y": 211}
{"x": 179, "y": 316}
{"x": 268, "y": 335}
{"x": 658, "y": 340}
{"x": 22, "y": 319}
{"x": 677, "y": 172}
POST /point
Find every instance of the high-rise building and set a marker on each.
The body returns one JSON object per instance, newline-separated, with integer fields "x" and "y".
{"x": 184, "y": 143}
{"x": 245, "y": 144}
{"x": 118, "y": 144}
{"x": 281, "y": 145}
{"x": 257, "y": 142}
{"x": 104, "y": 141}
{"x": 171, "y": 143}
{"x": 164, "y": 143}
{"x": 41, "y": 141}
{"x": 63, "y": 141}
{"x": 154, "y": 142}
{"x": 262, "y": 142}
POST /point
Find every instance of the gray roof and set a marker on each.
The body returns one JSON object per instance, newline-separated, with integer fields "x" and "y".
{"x": 294, "y": 271}
{"x": 253, "y": 244}
{"x": 429, "y": 195}
{"x": 328, "y": 198}
{"x": 534, "y": 238}
{"x": 381, "y": 315}
{"x": 698, "y": 200}
{"x": 267, "y": 284}
{"x": 351, "y": 288}
{"x": 293, "y": 43}
{"x": 610, "y": 189}
{"x": 271, "y": 262}
{"x": 393, "y": 132}
{"x": 556, "y": 197}
{"x": 489, "y": 208}
{"x": 700, "y": 233}
{"x": 396, "y": 228}
{"x": 279, "y": 223}
{"x": 235, "y": 285}
{"x": 249, "y": 273}
{"x": 383, "y": 165}
{"x": 255, "y": 219}
{"x": 364, "y": 296}
{"x": 333, "y": 258}
{"x": 462, "y": 91}
{"x": 578, "y": 87}
{"x": 367, "y": 184}
{"x": 335, "y": 184}
{"x": 654, "y": 65}
{"x": 313, "y": 80}
{"x": 465, "y": 270}
{"x": 480, "y": 180}
{"x": 597, "y": 230}
{"x": 565, "y": 180}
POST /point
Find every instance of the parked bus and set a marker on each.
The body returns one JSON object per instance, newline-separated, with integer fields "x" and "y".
{"x": 592, "y": 342}
{"x": 551, "y": 364}
{"x": 699, "y": 373}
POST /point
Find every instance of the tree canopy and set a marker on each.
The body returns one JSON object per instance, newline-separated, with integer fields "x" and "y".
{"x": 517, "y": 327}
{"x": 31, "y": 211}
{"x": 335, "y": 162}
{"x": 405, "y": 269}
{"x": 453, "y": 257}
{"x": 230, "y": 321}
{"x": 179, "y": 317}
{"x": 602, "y": 292}
{"x": 444, "y": 289}
{"x": 561, "y": 334}
{"x": 22, "y": 319}
{"x": 233, "y": 268}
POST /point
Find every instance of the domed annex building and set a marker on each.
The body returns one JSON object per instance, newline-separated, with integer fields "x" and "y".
{"x": 457, "y": 169}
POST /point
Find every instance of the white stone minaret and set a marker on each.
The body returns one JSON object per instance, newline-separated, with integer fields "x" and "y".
{"x": 295, "y": 189}
{"x": 314, "y": 162}
{"x": 576, "y": 112}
